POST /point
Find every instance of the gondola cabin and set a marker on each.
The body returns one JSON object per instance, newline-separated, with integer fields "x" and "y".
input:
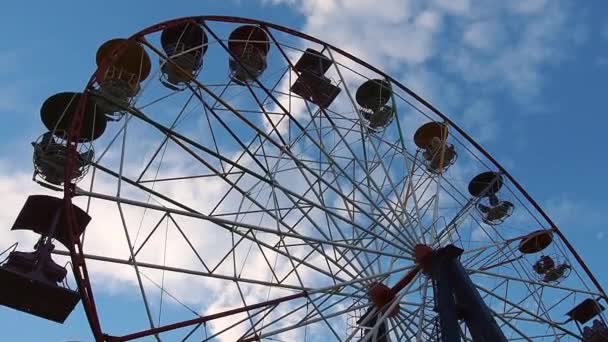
{"x": 248, "y": 46}
{"x": 312, "y": 84}
{"x": 184, "y": 45}
{"x": 33, "y": 282}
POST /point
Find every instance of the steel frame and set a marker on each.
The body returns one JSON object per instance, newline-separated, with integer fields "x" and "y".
{"x": 404, "y": 241}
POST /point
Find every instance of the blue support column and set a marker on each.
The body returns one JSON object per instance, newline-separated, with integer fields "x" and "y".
{"x": 477, "y": 315}
{"x": 444, "y": 297}
{"x": 454, "y": 290}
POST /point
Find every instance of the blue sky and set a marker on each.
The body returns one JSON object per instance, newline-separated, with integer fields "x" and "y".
{"x": 528, "y": 80}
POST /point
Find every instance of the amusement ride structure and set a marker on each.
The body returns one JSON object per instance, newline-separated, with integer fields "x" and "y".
{"x": 244, "y": 181}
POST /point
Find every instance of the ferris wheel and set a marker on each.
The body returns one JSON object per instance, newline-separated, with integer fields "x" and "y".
{"x": 242, "y": 181}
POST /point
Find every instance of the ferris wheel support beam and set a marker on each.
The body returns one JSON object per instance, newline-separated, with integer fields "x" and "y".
{"x": 204, "y": 319}
{"x": 444, "y": 298}
{"x": 452, "y": 282}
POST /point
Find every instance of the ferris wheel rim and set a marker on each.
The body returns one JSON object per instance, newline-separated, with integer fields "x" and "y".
{"x": 73, "y": 133}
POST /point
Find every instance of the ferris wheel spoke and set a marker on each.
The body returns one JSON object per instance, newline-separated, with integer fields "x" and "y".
{"x": 422, "y": 309}
{"x": 171, "y": 295}
{"x": 476, "y": 253}
{"x": 262, "y": 313}
{"x": 273, "y": 302}
{"x": 488, "y": 258}
{"x": 300, "y": 197}
{"x": 402, "y": 204}
{"x": 374, "y": 186}
{"x": 452, "y": 227}
{"x": 253, "y": 330}
{"x": 531, "y": 314}
{"x": 507, "y": 321}
{"x": 249, "y": 316}
{"x": 286, "y": 113}
{"x": 410, "y": 214}
{"x": 126, "y": 231}
{"x": 433, "y": 228}
{"x": 234, "y": 135}
{"x": 320, "y": 197}
{"x": 206, "y": 175}
{"x": 532, "y": 287}
{"x": 436, "y": 207}
{"x": 147, "y": 238}
{"x": 275, "y": 129}
{"x": 163, "y": 142}
{"x": 231, "y": 223}
{"x": 273, "y": 248}
{"x": 305, "y": 323}
{"x": 329, "y": 219}
{"x": 340, "y": 187}
{"x": 222, "y": 223}
{"x": 206, "y": 274}
{"x": 406, "y": 322}
{"x": 175, "y": 136}
{"x": 305, "y": 215}
{"x": 246, "y": 151}
{"x": 295, "y": 269}
{"x": 414, "y": 198}
{"x": 306, "y": 212}
{"x": 311, "y": 319}
{"x": 365, "y": 203}
{"x": 212, "y": 131}
{"x": 136, "y": 269}
{"x": 533, "y": 282}
{"x": 524, "y": 273}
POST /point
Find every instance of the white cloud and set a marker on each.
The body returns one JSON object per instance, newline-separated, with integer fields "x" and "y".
{"x": 604, "y": 32}
{"x": 569, "y": 211}
{"x": 15, "y": 187}
{"x": 527, "y": 6}
{"x": 601, "y": 61}
{"x": 9, "y": 62}
{"x": 484, "y": 35}
{"x": 454, "y": 6}
{"x": 479, "y": 119}
{"x": 458, "y": 48}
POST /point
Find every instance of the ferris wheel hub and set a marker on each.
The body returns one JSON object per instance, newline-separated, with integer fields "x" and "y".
{"x": 422, "y": 254}
{"x": 381, "y": 295}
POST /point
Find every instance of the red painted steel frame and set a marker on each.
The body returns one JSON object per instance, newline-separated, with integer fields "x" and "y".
{"x": 77, "y": 254}
{"x": 207, "y": 318}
